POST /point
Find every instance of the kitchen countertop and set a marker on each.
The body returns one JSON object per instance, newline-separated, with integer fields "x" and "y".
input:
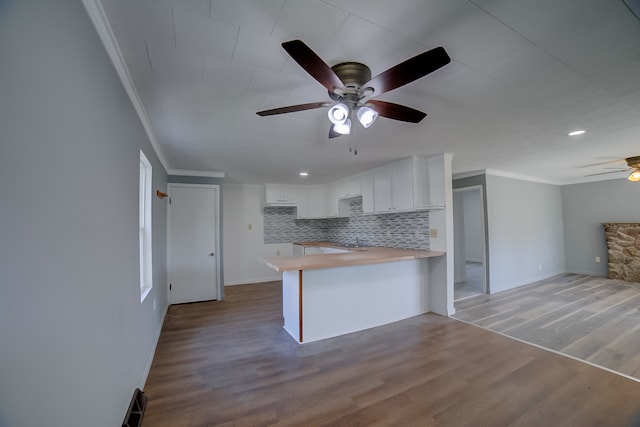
{"x": 356, "y": 256}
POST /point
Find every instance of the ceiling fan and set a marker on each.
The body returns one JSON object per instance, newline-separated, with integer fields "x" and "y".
{"x": 633, "y": 164}
{"x": 351, "y": 87}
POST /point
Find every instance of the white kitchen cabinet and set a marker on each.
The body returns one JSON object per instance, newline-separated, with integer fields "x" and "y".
{"x": 317, "y": 201}
{"x": 382, "y": 190}
{"x": 331, "y": 200}
{"x": 350, "y": 187}
{"x": 393, "y": 187}
{"x": 367, "y": 193}
{"x": 318, "y": 250}
{"x": 281, "y": 195}
{"x": 302, "y": 203}
{"x": 324, "y": 250}
{"x": 312, "y": 250}
{"x": 429, "y": 182}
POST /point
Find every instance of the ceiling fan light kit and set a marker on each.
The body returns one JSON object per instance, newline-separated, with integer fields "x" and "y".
{"x": 343, "y": 128}
{"x": 338, "y": 113}
{"x": 366, "y": 116}
{"x": 349, "y": 85}
{"x": 634, "y": 176}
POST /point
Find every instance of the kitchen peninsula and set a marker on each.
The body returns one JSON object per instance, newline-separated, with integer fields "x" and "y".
{"x": 327, "y": 295}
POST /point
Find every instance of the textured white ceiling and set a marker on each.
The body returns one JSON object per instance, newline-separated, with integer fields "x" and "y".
{"x": 523, "y": 74}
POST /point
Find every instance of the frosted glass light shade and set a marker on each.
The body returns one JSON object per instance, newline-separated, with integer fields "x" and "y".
{"x": 343, "y": 128}
{"x": 338, "y": 114}
{"x": 366, "y": 116}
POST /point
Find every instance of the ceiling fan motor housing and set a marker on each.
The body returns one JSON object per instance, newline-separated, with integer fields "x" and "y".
{"x": 633, "y": 162}
{"x": 353, "y": 75}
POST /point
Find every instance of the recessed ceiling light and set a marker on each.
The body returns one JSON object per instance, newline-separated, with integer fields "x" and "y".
{"x": 577, "y": 132}
{"x": 304, "y": 173}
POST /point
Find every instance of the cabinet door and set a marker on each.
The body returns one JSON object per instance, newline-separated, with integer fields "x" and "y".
{"x": 302, "y": 203}
{"x": 280, "y": 193}
{"x": 317, "y": 202}
{"x": 402, "y": 186}
{"x": 367, "y": 193}
{"x": 354, "y": 186}
{"x": 350, "y": 187}
{"x": 342, "y": 189}
{"x": 312, "y": 250}
{"x": 382, "y": 190}
{"x": 331, "y": 200}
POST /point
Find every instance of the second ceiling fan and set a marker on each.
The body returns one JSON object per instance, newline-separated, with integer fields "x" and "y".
{"x": 351, "y": 87}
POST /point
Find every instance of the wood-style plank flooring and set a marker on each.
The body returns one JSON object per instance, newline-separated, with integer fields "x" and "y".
{"x": 590, "y": 318}
{"x": 230, "y": 363}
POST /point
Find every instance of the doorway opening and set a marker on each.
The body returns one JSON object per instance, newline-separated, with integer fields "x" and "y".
{"x": 469, "y": 243}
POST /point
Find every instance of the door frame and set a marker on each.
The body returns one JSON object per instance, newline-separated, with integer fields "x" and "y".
{"x": 480, "y": 188}
{"x": 216, "y": 187}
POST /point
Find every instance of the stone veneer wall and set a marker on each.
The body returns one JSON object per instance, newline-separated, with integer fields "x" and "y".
{"x": 623, "y": 247}
{"x": 398, "y": 230}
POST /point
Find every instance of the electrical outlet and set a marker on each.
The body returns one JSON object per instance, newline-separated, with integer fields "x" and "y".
{"x": 155, "y": 305}
{"x": 433, "y": 233}
{"x": 540, "y": 267}
{"x": 389, "y": 233}
{"x": 250, "y": 227}
{"x": 597, "y": 259}
{"x": 278, "y": 252}
{"x": 417, "y": 233}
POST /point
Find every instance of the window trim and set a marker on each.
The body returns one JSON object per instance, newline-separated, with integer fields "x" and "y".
{"x": 144, "y": 227}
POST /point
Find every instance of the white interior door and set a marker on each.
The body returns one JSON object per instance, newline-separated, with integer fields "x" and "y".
{"x": 193, "y": 242}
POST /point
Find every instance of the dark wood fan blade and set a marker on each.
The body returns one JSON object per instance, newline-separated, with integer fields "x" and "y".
{"x": 397, "y": 111}
{"x": 409, "y": 70}
{"x": 333, "y": 133}
{"x": 292, "y": 108}
{"x": 313, "y": 64}
{"x": 606, "y": 173}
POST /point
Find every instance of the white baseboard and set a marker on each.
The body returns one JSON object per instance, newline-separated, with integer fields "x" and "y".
{"x": 147, "y": 368}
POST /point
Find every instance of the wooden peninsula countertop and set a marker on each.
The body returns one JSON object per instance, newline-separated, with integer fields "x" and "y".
{"x": 356, "y": 256}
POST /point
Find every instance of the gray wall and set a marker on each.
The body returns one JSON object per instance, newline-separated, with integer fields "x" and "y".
{"x": 585, "y": 207}
{"x": 526, "y": 237}
{"x": 473, "y": 225}
{"x": 75, "y": 340}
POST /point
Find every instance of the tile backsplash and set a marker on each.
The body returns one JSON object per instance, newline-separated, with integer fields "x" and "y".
{"x": 398, "y": 230}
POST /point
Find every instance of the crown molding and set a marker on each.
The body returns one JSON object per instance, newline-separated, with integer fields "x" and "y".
{"x": 103, "y": 28}
{"x": 185, "y": 172}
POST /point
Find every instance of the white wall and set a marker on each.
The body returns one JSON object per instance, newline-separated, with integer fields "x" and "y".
{"x": 459, "y": 270}
{"x": 585, "y": 207}
{"x": 75, "y": 340}
{"x": 526, "y": 237}
{"x": 243, "y": 247}
{"x": 473, "y": 225}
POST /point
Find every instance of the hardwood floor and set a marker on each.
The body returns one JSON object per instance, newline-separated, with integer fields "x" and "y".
{"x": 590, "y": 318}
{"x": 231, "y": 363}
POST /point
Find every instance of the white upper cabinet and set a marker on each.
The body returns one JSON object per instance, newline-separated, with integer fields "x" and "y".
{"x": 303, "y": 209}
{"x": 282, "y": 195}
{"x": 393, "y": 187}
{"x": 429, "y": 182}
{"x": 350, "y": 187}
{"x": 317, "y": 201}
{"x": 331, "y": 200}
{"x": 410, "y": 184}
{"x": 367, "y": 193}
